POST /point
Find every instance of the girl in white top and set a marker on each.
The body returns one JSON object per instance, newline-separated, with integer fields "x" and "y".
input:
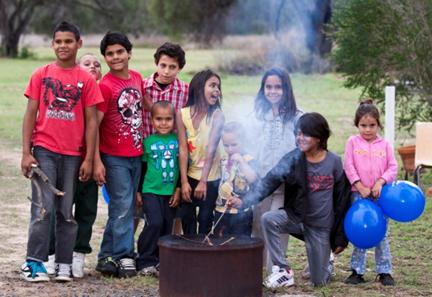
{"x": 276, "y": 115}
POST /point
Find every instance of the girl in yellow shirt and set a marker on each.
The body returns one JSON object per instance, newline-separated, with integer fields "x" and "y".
{"x": 199, "y": 128}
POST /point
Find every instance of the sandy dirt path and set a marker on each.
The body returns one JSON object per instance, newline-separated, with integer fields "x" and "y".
{"x": 14, "y": 218}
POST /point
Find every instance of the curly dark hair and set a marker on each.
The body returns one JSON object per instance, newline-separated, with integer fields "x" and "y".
{"x": 172, "y": 50}
{"x": 112, "y": 38}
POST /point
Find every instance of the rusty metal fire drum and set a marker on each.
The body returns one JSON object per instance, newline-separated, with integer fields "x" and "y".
{"x": 191, "y": 265}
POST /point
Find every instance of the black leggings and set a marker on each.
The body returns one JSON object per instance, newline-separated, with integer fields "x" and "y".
{"x": 206, "y": 206}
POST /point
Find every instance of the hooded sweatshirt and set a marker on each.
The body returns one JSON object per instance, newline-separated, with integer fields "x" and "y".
{"x": 368, "y": 161}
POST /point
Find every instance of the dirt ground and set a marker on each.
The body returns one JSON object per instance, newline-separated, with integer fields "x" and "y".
{"x": 14, "y": 218}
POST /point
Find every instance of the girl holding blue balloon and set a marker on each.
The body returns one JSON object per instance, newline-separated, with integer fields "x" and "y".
{"x": 369, "y": 164}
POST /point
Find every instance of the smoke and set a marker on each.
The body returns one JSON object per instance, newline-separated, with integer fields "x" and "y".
{"x": 294, "y": 40}
{"x": 296, "y": 27}
{"x": 255, "y": 139}
{"x": 269, "y": 183}
{"x": 300, "y": 44}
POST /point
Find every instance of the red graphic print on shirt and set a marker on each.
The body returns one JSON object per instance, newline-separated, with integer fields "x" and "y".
{"x": 63, "y": 99}
{"x": 320, "y": 182}
{"x": 130, "y": 109}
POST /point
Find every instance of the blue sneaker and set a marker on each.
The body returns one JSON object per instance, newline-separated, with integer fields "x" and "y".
{"x": 33, "y": 271}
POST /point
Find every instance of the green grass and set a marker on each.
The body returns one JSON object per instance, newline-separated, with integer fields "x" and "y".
{"x": 410, "y": 243}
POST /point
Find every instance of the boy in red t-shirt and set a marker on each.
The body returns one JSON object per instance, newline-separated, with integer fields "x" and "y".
{"x": 60, "y": 115}
{"x": 118, "y": 158}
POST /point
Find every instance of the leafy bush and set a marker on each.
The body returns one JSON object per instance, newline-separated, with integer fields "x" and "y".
{"x": 26, "y": 53}
{"x": 387, "y": 42}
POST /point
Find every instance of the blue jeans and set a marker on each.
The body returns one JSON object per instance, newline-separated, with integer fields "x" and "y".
{"x": 383, "y": 258}
{"x": 62, "y": 171}
{"x": 122, "y": 176}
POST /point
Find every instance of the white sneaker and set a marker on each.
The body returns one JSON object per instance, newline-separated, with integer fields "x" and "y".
{"x": 33, "y": 271}
{"x": 50, "y": 265}
{"x": 63, "y": 273}
{"x": 78, "y": 265}
{"x": 279, "y": 278}
{"x": 149, "y": 271}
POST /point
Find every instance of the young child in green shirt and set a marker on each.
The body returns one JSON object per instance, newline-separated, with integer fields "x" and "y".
{"x": 159, "y": 192}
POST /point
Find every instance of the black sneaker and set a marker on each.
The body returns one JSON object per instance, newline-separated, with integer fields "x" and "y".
{"x": 354, "y": 278}
{"x": 386, "y": 279}
{"x": 107, "y": 267}
{"x": 126, "y": 268}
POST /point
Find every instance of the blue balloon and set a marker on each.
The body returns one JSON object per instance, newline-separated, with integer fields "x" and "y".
{"x": 402, "y": 201}
{"x": 105, "y": 194}
{"x": 365, "y": 224}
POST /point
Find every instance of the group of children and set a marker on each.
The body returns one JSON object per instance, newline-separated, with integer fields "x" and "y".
{"x": 155, "y": 145}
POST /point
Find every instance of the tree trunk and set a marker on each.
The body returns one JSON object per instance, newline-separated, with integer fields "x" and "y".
{"x": 11, "y": 45}
{"x": 15, "y": 16}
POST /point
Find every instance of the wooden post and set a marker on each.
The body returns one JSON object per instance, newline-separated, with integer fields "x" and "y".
{"x": 389, "y": 129}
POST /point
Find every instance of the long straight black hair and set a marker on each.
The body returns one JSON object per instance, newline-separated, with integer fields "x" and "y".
{"x": 196, "y": 95}
{"x": 287, "y": 106}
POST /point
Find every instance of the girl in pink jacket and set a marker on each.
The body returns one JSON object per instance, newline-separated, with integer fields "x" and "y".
{"x": 369, "y": 163}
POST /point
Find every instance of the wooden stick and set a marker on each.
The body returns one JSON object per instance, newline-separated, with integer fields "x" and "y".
{"x": 215, "y": 224}
{"x": 228, "y": 240}
{"x": 36, "y": 170}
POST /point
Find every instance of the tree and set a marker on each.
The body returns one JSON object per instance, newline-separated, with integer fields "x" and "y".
{"x": 95, "y": 16}
{"x": 387, "y": 42}
{"x": 91, "y": 15}
{"x": 15, "y": 15}
{"x": 204, "y": 20}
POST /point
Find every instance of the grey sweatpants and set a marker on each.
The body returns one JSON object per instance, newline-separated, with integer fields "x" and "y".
{"x": 317, "y": 241}
{"x": 271, "y": 202}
